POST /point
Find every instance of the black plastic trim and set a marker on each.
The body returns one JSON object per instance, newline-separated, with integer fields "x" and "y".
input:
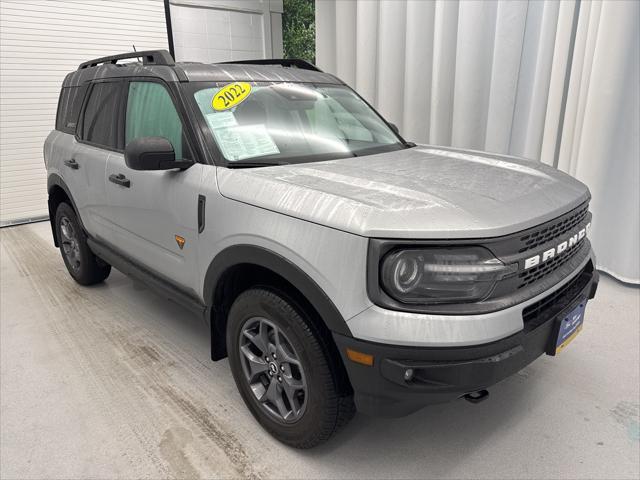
{"x": 55, "y": 180}
{"x": 540, "y": 311}
{"x": 120, "y": 179}
{"x": 283, "y": 62}
{"x": 254, "y": 255}
{"x": 132, "y": 268}
{"x": 149, "y": 57}
{"x": 202, "y": 204}
{"x": 442, "y": 374}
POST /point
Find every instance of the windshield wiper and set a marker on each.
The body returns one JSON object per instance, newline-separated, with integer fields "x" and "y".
{"x": 254, "y": 164}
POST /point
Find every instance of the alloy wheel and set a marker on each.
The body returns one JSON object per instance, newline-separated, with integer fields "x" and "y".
{"x": 273, "y": 370}
{"x": 70, "y": 243}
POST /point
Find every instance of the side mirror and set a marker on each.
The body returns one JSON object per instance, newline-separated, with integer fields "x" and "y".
{"x": 152, "y": 153}
{"x": 394, "y": 127}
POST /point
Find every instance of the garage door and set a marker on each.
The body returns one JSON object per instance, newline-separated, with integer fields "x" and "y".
{"x": 212, "y": 31}
{"x": 40, "y": 41}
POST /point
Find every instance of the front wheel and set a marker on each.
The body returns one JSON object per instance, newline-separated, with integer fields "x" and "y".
{"x": 279, "y": 363}
{"x": 81, "y": 262}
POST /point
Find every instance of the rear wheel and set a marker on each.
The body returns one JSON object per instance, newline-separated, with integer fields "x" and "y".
{"x": 82, "y": 264}
{"x": 280, "y": 365}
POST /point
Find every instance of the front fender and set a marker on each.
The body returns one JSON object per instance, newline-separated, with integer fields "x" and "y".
{"x": 252, "y": 254}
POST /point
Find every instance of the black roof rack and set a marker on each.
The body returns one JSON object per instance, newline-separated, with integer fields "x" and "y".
{"x": 149, "y": 57}
{"x": 284, "y": 62}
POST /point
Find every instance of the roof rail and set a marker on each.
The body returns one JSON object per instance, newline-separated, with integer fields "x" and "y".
{"x": 285, "y": 62}
{"x": 149, "y": 57}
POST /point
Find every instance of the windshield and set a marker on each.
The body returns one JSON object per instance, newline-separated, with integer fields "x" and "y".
{"x": 279, "y": 123}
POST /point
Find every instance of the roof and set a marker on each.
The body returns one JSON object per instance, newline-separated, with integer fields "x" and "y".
{"x": 159, "y": 64}
{"x": 223, "y": 72}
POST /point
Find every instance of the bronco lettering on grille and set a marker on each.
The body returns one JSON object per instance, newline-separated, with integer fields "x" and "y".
{"x": 557, "y": 250}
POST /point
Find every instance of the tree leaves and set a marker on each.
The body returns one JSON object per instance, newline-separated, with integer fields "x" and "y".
{"x": 299, "y": 30}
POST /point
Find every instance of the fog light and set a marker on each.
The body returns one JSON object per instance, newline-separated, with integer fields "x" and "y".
{"x": 408, "y": 374}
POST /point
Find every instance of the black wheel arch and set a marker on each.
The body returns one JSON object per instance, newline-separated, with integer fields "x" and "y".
{"x": 58, "y": 193}
{"x": 269, "y": 269}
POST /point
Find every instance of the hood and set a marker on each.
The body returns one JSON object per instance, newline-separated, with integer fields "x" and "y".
{"x": 419, "y": 193}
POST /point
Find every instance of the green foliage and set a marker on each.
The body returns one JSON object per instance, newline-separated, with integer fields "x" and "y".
{"x": 299, "y": 29}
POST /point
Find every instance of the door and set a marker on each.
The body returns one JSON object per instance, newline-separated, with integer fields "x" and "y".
{"x": 97, "y": 138}
{"x": 153, "y": 214}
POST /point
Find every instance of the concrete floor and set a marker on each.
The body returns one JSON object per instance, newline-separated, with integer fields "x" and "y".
{"x": 114, "y": 382}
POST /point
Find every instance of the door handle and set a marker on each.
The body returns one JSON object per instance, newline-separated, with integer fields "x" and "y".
{"x": 72, "y": 164}
{"x": 120, "y": 179}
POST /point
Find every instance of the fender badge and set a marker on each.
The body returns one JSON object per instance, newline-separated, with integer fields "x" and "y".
{"x": 180, "y": 241}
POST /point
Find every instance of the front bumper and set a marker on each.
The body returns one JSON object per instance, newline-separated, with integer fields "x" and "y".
{"x": 444, "y": 374}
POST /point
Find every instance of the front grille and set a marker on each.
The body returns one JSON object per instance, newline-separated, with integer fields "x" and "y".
{"x": 539, "y": 312}
{"x": 550, "y": 231}
{"x": 534, "y": 274}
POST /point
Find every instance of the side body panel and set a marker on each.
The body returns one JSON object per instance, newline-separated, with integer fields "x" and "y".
{"x": 86, "y": 182}
{"x": 145, "y": 218}
{"x": 90, "y": 195}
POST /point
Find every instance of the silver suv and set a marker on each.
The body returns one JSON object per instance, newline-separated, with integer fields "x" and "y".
{"x": 338, "y": 266}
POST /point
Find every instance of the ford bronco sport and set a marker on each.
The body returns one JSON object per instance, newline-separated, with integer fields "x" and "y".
{"x": 338, "y": 266}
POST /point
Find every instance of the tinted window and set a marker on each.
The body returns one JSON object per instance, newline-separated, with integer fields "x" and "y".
{"x": 99, "y": 125}
{"x": 151, "y": 113}
{"x": 294, "y": 123}
{"x": 69, "y": 108}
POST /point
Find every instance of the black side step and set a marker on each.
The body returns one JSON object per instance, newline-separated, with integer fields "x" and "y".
{"x": 165, "y": 288}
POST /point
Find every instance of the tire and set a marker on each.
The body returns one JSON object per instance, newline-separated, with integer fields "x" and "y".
{"x": 82, "y": 264}
{"x": 309, "y": 390}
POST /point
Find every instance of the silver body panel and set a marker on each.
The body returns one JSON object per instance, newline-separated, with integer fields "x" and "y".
{"x": 320, "y": 217}
{"x": 335, "y": 260}
{"x": 418, "y": 193}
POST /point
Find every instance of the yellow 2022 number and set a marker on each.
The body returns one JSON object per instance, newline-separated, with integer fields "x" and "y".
{"x": 230, "y": 95}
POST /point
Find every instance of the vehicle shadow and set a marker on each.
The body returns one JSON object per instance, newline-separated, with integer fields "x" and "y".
{"x": 438, "y": 436}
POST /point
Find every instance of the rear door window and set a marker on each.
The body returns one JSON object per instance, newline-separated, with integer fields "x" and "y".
{"x": 100, "y": 122}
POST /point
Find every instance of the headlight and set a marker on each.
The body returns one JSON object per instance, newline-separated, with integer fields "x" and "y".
{"x": 441, "y": 275}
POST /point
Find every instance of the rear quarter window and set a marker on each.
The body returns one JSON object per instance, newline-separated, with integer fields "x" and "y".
{"x": 100, "y": 120}
{"x": 69, "y": 106}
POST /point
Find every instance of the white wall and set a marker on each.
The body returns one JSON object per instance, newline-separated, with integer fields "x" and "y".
{"x": 40, "y": 42}
{"x": 548, "y": 80}
{"x": 220, "y": 30}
